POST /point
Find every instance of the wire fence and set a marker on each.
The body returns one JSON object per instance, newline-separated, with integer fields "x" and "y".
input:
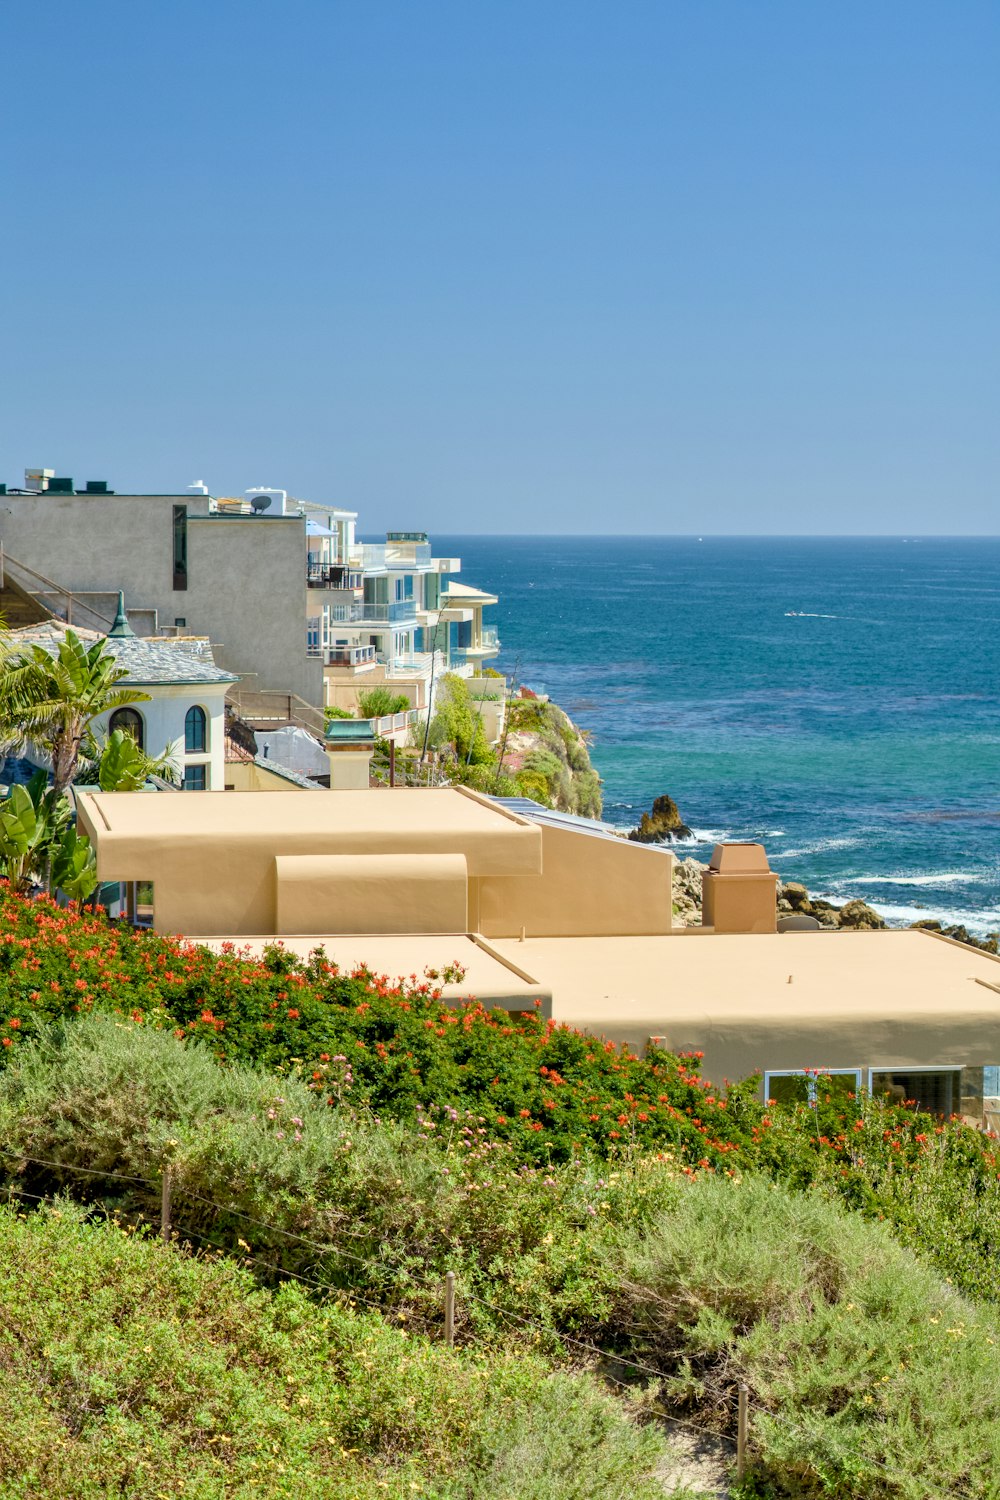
{"x": 450, "y": 1290}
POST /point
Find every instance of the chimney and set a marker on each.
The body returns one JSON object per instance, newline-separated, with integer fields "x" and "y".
{"x": 739, "y": 890}
{"x": 350, "y": 745}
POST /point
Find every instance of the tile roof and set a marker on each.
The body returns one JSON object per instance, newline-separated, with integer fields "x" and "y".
{"x": 147, "y": 661}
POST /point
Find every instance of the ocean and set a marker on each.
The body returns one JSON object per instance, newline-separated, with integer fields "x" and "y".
{"x": 834, "y": 698}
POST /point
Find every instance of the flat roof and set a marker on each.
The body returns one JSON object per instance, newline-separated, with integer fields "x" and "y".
{"x": 410, "y": 810}
{"x": 489, "y": 978}
{"x": 692, "y": 975}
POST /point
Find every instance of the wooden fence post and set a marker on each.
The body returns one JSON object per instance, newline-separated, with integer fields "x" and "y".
{"x": 165, "y": 1207}
{"x": 449, "y": 1309}
{"x": 741, "y": 1432}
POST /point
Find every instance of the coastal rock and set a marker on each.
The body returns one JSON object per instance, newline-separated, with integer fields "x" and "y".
{"x": 860, "y": 915}
{"x": 661, "y": 825}
{"x": 687, "y": 892}
{"x": 795, "y": 896}
{"x": 990, "y": 943}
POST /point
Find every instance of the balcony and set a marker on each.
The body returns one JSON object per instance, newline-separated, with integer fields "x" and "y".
{"x": 331, "y": 576}
{"x": 417, "y": 664}
{"x": 351, "y": 656}
{"x": 375, "y": 557}
{"x": 399, "y": 612}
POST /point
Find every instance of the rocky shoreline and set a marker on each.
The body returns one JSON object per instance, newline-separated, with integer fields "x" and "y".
{"x": 664, "y": 825}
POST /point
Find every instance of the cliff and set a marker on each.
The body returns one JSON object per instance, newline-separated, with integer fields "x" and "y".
{"x": 548, "y": 755}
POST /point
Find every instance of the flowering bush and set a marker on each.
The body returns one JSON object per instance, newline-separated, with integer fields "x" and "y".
{"x": 393, "y": 1046}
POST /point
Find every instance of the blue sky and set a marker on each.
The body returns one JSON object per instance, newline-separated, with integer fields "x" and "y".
{"x": 541, "y": 265}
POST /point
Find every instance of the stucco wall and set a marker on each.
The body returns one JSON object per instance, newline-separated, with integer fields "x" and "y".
{"x": 588, "y": 887}
{"x": 163, "y": 717}
{"x": 246, "y": 575}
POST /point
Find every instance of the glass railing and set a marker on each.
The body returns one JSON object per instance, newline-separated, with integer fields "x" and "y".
{"x": 490, "y": 637}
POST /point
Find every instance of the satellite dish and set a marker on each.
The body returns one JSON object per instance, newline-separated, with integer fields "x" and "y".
{"x": 261, "y": 503}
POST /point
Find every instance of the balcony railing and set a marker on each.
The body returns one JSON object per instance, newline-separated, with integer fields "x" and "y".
{"x": 350, "y": 656}
{"x": 331, "y": 576}
{"x": 393, "y": 554}
{"x": 375, "y": 614}
{"x": 490, "y": 637}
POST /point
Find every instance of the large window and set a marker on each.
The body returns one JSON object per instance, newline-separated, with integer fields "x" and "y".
{"x": 180, "y": 547}
{"x": 195, "y": 778}
{"x": 804, "y": 1087}
{"x": 130, "y": 721}
{"x": 195, "y": 731}
{"x": 936, "y": 1089}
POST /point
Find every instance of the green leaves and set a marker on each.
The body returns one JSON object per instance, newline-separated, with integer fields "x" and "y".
{"x": 123, "y": 767}
{"x": 74, "y": 865}
{"x": 38, "y": 841}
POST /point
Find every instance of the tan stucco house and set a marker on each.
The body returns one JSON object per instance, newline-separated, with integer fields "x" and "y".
{"x": 540, "y": 906}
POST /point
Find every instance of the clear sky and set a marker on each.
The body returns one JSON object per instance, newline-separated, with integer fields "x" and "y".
{"x": 504, "y": 265}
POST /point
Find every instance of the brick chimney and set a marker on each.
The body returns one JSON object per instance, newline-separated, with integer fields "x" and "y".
{"x": 739, "y": 890}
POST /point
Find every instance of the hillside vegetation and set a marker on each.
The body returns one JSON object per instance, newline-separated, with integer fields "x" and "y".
{"x": 131, "y": 1369}
{"x": 627, "y": 1216}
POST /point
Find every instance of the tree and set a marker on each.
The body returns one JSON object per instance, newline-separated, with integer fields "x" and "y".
{"x": 52, "y": 701}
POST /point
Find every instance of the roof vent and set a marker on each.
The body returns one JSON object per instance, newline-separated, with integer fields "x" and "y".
{"x": 61, "y": 486}
{"x": 98, "y": 487}
{"x": 198, "y": 488}
{"x": 37, "y": 480}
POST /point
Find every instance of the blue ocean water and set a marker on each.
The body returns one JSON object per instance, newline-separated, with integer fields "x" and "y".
{"x": 835, "y": 698}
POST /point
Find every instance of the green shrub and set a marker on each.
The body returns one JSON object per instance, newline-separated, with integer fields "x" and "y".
{"x": 458, "y": 722}
{"x": 375, "y": 702}
{"x": 332, "y": 712}
{"x": 101, "y": 1107}
{"x": 130, "y": 1368}
{"x": 869, "y": 1377}
{"x": 936, "y": 1181}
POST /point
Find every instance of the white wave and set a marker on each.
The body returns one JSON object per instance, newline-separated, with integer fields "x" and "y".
{"x": 820, "y": 847}
{"x": 950, "y": 877}
{"x": 704, "y": 836}
{"x": 977, "y": 922}
{"x": 776, "y": 833}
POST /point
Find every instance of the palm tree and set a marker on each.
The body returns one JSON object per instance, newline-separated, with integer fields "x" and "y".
{"x": 51, "y": 701}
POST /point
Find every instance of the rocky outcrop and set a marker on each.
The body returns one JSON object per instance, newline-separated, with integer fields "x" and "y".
{"x": 548, "y": 754}
{"x": 662, "y": 825}
{"x": 988, "y": 944}
{"x": 687, "y": 892}
{"x": 795, "y": 900}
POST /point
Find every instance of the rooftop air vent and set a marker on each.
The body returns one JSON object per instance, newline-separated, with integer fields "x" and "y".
{"x": 98, "y": 487}
{"x": 62, "y": 486}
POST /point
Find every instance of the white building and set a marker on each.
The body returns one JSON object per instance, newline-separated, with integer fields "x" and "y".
{"x": 185, "y": 712}
{"x": 389, "y": 612}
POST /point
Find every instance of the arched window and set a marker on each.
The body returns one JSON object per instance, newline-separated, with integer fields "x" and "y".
{"x": 195, "y": 731}
{"x": 131, "y": 722}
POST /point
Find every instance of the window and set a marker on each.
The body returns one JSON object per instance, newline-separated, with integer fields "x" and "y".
{"x": 181, "y": 622}
{"x": 194, "y": 778}
{"x": 131, "y": 722}
{"x": 935, "y": 1089}
{"x": 195, "y": 731}
{"x": 180, "y": 547}
{"x": 799, "y": 1087}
